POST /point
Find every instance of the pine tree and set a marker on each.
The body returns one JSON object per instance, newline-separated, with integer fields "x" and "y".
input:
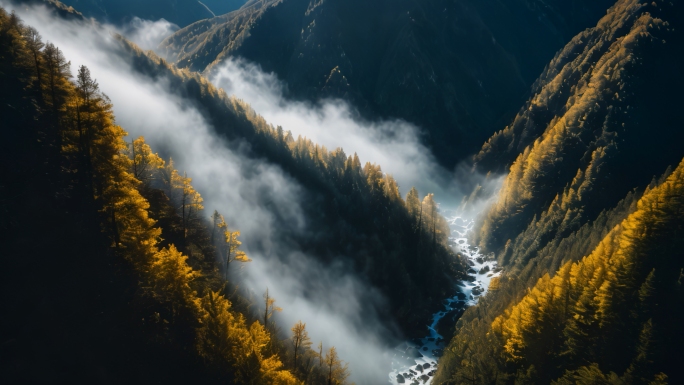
{"x": 172, "y": 276}
{"x": 300, "y": 340}
{"x": 270, "y": 307}
{"x": 337, "y": 373}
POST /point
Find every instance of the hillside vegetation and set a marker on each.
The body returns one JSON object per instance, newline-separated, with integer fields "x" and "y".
{"x": 583, "y": 157}
{"x": 455, "y": 69}
{"x": 127, "y": 282}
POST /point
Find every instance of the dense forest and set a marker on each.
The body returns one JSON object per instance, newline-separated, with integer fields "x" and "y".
{"x": 398, "y": 244}
{"x": 612, "y": 317}
{"x": 127, "y": 281}
{"x": 584, "y": 155}
{"x": 116, "y": 269}
{"x": 457, "y": 69}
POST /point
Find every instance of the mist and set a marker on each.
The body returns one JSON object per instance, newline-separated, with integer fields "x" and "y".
{"x": 395, "y": 145}
{"x": 147, "y": 34}
{"x": 256, "y": 197}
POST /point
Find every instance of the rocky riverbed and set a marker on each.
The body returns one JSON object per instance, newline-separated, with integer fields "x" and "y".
{"x": 415, "y": 361}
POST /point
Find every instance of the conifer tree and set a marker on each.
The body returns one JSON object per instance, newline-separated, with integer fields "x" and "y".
{"x": 270, "y": 307}
{"x": 172, "y": 277}
{"x": 337, "y": 370}
{"x": 145, "y": 163}
{"x": 300, "y": 340}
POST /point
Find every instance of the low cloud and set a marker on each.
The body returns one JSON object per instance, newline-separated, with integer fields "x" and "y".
{"x": 256, "y": 197}
{"x": 147, "y": 34}
{"x": 393, "y": 144}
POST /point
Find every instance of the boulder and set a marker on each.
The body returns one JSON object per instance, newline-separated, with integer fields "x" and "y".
{"x": 400, "y": 379}
{"x": 484, "y": 270}
{"x": 425, "y": 366}
{"x": 419, "y": 368}
{"x": 479, "y": 260}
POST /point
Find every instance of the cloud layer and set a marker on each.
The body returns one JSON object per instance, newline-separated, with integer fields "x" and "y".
{"x": 256, "y": 197}
{"x": 393, "y": 144}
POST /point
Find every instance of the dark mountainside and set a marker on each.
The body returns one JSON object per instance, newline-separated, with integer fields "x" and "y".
{"x": 179, "y": 12}
{"x": 355, "y": 216}
{"x": 88, "y": 295}
{"x": 458, "y": 70}
{"x": 98, "y": 296}
{"x": 109, "y": 277}
{"x": 586, "y": 228}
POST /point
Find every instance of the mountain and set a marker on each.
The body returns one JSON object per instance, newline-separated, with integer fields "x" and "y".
{"x": 179, "y": 12}
{"x": 355, "y": 215}
{"x": 130, "y": 281}
{"x": 589, "y": 190}
{"x": 456, "y": 69}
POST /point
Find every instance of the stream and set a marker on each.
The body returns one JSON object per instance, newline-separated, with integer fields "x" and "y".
{"x": 415, "y": 361}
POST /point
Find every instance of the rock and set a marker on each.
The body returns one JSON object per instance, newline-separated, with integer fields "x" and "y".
{"x": 469, "y": 278}
{"x": 472, "y": 271}
{"x": 400, "y": 379}
{"x": 419, "y": 368}
{"x": 425, "y": 366}
{"x": 424, "y": 377}
{"x": 479, "y": 260}
{"x": 471, "y": 263}
{"x": 484, "y": 270}
{"x": 461, "y": 296}
{"x": 412, "y": 372}
{"x": 438, "y": 352}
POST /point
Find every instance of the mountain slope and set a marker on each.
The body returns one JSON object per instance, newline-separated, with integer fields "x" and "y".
{"x": 612, "y": 317}
{"x": 179, "y": 12}
{"x": 354, "y": 214}
{"x": 582, "y": 152}
{"x": 101, "y": 297}
{"x": 599, "y": 125}
{"x": 454, "y": 68}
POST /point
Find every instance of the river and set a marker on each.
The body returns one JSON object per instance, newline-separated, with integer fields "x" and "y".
{"x": 415, "y": 361}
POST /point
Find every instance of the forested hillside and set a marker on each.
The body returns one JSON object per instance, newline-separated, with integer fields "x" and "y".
{"x": 125, "y": 282}
{"x": 614, "y": 317}
{"x": 599, "y": 125}
{"x": 354, "y": 210}
{"x": 565, "y": 266}
{"x": 456, "y": 69}
{"x": 585, "y": 154}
